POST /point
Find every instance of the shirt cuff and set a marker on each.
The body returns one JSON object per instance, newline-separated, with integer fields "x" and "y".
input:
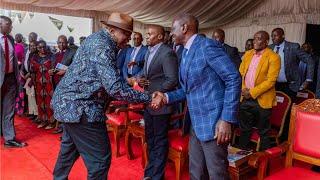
{"x": 309, "y": 80}
{"x": 167, "y": 97}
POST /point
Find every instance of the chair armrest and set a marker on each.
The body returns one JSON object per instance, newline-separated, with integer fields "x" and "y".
{"x": 118, "y": 103}
{"x": 259, "y": 160}
{"x": 278, "y": 150}
{"x": 136, "y": 107}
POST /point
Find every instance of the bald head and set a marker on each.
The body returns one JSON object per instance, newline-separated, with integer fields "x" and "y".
{"x": 189, "y": 20}
{"x": 62, "y": 42}
{"x": 218, "y": 35}
{"x": 155, "y": 35}
{"x": 260, "y": 40}
{"x": 183, "y": 27}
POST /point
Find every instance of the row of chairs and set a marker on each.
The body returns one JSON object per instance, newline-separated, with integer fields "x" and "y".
{"x": 125, "y": 121}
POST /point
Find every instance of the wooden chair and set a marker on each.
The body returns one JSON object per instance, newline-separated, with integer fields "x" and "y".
{"x": 304, "y": 95}
{"x": 277, "y": 120}
{"x": 303, "y": 143}
{"x": 178, "y": 145}
{"x": 119, "y": 119}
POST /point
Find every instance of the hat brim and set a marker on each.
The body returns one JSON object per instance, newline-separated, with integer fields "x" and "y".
{"x": 117, "y": 25}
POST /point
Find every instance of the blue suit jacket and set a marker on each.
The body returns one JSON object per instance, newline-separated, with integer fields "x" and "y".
{"x": 211, "y": 86}
{"x": 139, "y": 60}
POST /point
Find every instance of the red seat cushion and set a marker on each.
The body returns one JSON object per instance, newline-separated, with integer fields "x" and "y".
{"x": 119, "y": 119}
{"x": 178, "y": 142}
{"x": 306, "y": 137}
{"x": 294, "y": 173}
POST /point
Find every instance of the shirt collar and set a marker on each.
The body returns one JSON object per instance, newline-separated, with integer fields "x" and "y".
{"x": 280, "y": 45}
{"x": 190, "y": 41}
{"x": 155, "y": 47}
{"x": 259, "y": 53}
{"x": 138, "y": 47}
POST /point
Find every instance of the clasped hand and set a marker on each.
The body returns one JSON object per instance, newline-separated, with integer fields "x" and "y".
{"x": 158, "y": 100}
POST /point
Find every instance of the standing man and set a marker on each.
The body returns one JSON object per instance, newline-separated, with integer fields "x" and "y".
{"x": 290, "y": 53}
{"x": 289, "y": 80}
{"x": 211, "y": 85}
{"x": 259, "y": 70}
{"x": 9, "y": 73}
{"x": 233, "y": 53}
{"x": 161, "y": 73}
{"x": 83, "y": 94}
{"x": 134, "y": 60}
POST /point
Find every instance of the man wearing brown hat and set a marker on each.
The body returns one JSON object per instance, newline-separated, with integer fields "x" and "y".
{"x": 83, "y": 93}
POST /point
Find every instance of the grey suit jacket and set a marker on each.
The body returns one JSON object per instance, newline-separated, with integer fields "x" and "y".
{"x": 162, "y": 74}
{"x": 68, "y": 56}
{"x": 3, "y": 63}
{"x": 292, "y": 57}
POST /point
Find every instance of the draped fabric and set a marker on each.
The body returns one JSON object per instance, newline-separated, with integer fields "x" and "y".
{"x": 239, "y": 18}
{"x": 209, "y": 12}
{"x": 291, "y": 15}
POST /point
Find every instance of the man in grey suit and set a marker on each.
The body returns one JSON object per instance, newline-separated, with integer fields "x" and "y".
{"x": 161, "y": 74}
{"x": 289, "y": 80}
{"x": 290, "y": 53}
{"x": 233, "y": 53}
{"x": 8, "y": 83}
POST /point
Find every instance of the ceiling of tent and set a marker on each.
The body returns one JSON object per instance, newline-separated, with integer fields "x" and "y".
{"x": 210, "y": 12}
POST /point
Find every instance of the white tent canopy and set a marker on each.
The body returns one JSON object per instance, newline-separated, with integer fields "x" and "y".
{"x": 239, "y": 18}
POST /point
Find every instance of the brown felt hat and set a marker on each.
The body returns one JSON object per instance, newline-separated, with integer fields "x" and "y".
{"x": 119, "y": 20}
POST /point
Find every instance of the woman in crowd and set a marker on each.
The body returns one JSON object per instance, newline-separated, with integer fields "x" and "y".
{"x": 40, "y": 66}
{"x": 29, "y": 87}
{"x": 19, "y": 50}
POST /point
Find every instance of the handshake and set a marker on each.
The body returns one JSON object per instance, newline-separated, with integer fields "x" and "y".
{"x": 158, "y": 100}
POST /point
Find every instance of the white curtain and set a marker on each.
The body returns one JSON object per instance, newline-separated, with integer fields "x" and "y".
{"x": 291, "y": 15}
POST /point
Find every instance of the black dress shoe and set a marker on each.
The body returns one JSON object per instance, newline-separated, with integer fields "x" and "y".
{"x": 14, "y": 144}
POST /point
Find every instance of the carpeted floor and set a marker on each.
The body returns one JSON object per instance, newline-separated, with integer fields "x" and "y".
{"x": 37, "y": 160}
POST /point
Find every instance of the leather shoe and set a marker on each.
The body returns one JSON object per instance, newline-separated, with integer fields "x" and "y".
{"x": 147, "y": 178}
{"x": 14, "y": 144}
{"x": 58, "y": 131}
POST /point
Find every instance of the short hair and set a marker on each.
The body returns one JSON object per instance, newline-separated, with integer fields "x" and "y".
{"x": 219, "y": 31}
{"x": 43, "y": 42}
{"x": 279, "y": 29}
{"x": 159, "y": 28}
{"x": 6, "y": 18}
{"x": 138, "y": 33}
{"x": 63, "y": 36}
{"x": 189, "y": 19}
{"x": 265, "y": 34}
{"x": 249, "y": 40}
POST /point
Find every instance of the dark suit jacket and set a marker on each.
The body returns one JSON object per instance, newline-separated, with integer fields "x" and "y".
{"x": 233, "y": 53}
{"x": 292, "y": 57}
{"x": 68, "y": 56}
{"x": 2, "y": 62}
{"x": 162, "y": 74}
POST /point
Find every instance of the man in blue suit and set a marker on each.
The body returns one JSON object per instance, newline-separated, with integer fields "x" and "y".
{"x": 134, "y": 60}
{"x": 211, "y": 85}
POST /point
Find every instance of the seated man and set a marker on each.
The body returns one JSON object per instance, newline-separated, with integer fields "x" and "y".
{"x": 259, "y": 70}
{"x": 134, "y": 58}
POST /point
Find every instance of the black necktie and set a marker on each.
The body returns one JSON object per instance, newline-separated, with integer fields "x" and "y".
{"x": 277, "y": 50}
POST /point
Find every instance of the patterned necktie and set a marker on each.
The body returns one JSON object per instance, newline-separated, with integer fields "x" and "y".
{"x": 277, "y": 50}
{"x": 6, "y": 53}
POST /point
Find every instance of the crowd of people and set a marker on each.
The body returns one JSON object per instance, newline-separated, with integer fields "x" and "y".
{"x": 222, "y": 87}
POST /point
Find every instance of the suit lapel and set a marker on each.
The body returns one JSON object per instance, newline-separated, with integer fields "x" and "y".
{"x": 250, "y": 56}
{"x": 153, "y": 60}
{"x": 189, "y": 58}
{"x": 262, "y": 61}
